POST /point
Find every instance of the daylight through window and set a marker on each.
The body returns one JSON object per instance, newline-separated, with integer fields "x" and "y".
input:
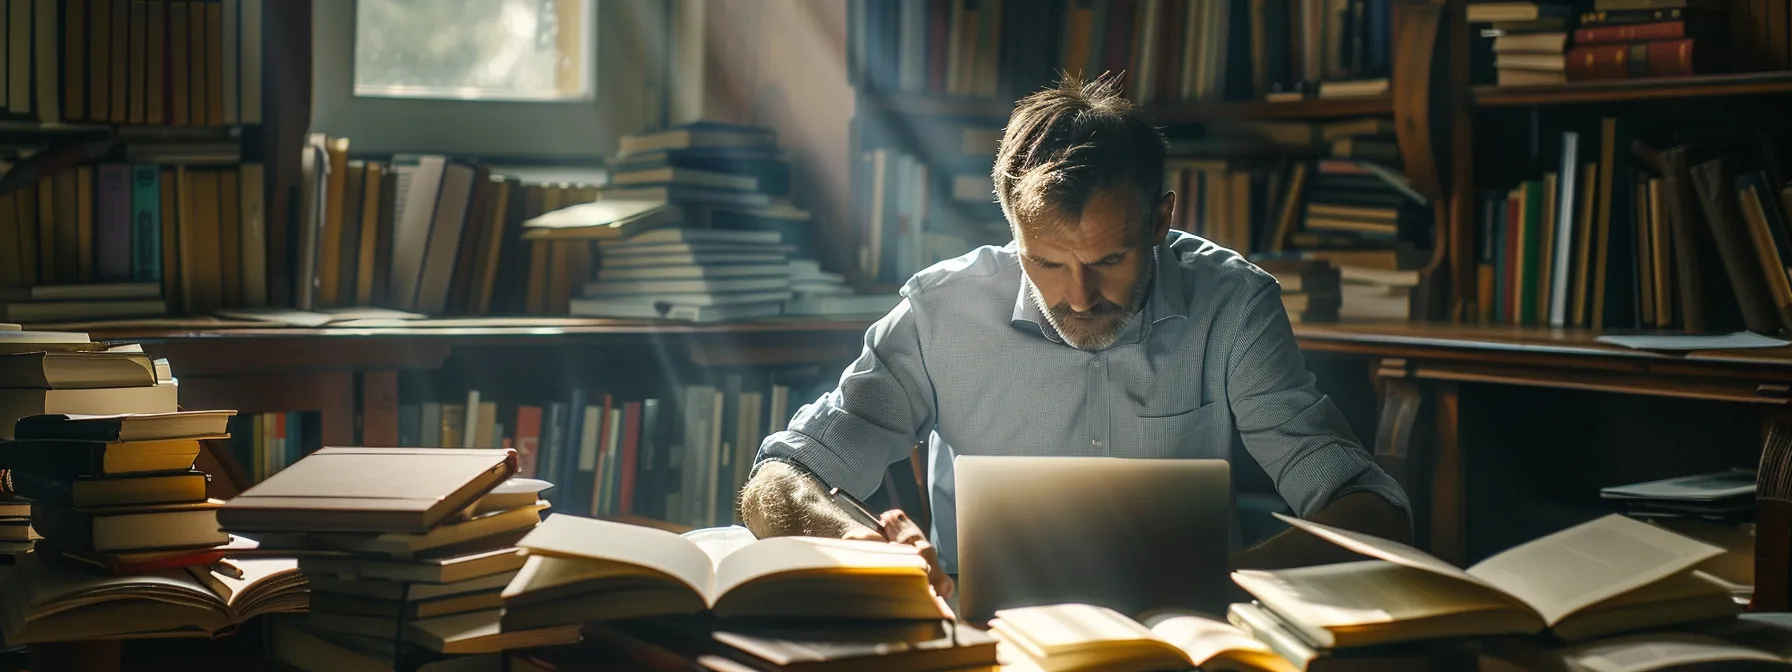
{"x": 499, "y": 50}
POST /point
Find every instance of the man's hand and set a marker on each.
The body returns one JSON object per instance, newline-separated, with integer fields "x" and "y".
{"x": 900, "y": 529}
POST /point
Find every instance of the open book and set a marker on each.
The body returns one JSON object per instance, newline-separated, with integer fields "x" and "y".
{"x": 581, "y": 570}
{"x": 1609, "y": 575}
{"x": 1067, "y": 637}
{"x": 54, "y": 602}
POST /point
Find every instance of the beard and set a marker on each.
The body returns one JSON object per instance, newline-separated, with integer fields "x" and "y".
{"x": 1100, "y": 325}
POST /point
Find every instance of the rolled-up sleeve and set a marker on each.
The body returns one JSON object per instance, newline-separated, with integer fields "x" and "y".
{"x": 1299, "y": 436}
{"x": 882, "y": 406}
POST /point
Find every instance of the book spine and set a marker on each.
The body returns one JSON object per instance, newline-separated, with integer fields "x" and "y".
{"x": 112, "y": 253}
{"x": 146, "y": 223}
{"x": 1666, "y": 30}
{"x": 1635, "y": 60}
{"x": 1624, "y": 17}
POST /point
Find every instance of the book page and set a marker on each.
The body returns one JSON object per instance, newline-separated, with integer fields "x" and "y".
{"x": 1376, "y": 547}
{"x": 232, "y": 578}
{"x": 1368, "y": 592}
{"x": 1056, "y": 628}
{"x": 1569, "y": 570}
{"x": 1203, "y": 639}
{"x": 794, "y": 554}
{"x": 588, "y": 538}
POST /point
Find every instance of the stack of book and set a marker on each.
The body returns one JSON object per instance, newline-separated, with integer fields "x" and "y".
{"x": 1717, "y": 508}
{"x": 700, "y": 275}
{"x": 1309, "y": 288}
{"x": 117, "y": 490}
{"x": 65, "y": 372}
{"x": 690, "y": 594}
{"x": 48, "y": 372}
{"x": 819, "y": 292}
{"x": 722, "y": 176}
{"x": 1624, "y": 39}
{"x": 131, "y": 544}
{"x": 406, "y": 548}
{"x": 1530, "y": 40}
{"x": 43, "y": 304}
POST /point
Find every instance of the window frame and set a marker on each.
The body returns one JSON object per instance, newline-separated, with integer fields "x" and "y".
{"x": 626, "y": 85}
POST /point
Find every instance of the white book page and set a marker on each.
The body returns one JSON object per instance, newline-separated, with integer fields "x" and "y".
{"x": 1569, "y": 570}
{"x": 620, "y": 543}
{"x": 778, "y": 555}
{"x": 1367, "y": 592}
{"x": 1203, "y": 638}
{"x": 1376, "y": 547}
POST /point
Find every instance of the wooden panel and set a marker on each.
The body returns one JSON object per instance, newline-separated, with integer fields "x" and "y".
{"x": 331, "y": 393}
{"x": 379, "y": 408}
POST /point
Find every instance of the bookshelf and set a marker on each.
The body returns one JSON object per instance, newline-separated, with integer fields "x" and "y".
{"x": 1168, "y": 113}
{"x": 1618, "y": 91}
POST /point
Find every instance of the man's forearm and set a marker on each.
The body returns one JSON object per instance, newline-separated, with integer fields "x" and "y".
{"x": 783, "y": 501}
{"x": 1363, "y": 512}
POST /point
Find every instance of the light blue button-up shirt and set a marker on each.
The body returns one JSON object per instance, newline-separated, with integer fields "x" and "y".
{"x": 968, "y": 364}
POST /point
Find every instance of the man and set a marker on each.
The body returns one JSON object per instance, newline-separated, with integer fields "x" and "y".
{"x": 1097, "y": 331}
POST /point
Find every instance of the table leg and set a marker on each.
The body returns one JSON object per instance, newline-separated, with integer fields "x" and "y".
{"x": 1417, "y": 442}
{"x": 1449, "y": 507}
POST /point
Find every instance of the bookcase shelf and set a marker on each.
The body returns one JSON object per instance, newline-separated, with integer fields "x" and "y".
{"x": 1621, "y": 90}
{"x": 127, "y": 131}
{"x": 1169, "y": 113}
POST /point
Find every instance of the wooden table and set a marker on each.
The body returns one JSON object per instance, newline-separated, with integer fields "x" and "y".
{"x": 1418, "y": 369}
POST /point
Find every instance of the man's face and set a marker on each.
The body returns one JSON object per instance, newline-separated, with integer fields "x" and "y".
{"x": 1091, "y": 277}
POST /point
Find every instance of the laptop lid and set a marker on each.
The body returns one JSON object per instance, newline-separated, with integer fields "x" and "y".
{"x": 1135, "y": 535}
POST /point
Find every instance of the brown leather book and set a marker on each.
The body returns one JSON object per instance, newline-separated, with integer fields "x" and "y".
{"x": 342, "y": 489}
{"x": 1717, "y": 197}
{"x": 1693, "y": 246}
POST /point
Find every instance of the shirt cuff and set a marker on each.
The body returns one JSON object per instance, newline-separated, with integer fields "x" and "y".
{"x": 822, "y": 462}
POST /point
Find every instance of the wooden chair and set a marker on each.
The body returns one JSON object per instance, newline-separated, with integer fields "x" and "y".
{"x": 1773, "y": 520}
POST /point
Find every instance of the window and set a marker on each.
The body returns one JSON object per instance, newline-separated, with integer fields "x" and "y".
{"x": 510, "y": 81}
{"x": 514, "y": 50}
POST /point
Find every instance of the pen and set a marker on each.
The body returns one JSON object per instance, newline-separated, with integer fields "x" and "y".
{"x": 856, "y": 510}
{"x": 227, "y": 568}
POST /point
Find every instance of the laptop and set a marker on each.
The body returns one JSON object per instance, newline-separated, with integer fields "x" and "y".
{"x": 1135, "y": 535}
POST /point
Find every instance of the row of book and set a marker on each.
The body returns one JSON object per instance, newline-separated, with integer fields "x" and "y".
{"x": 679, "y": 459}
{"x": 124, "y": 240}
{"x": 1322, "y": 206}
{"x": 1628, "y": 233}
{"x": 1166, "y": 50}
{"x": 1544, "y": 43}
{"x": 173, "y": 62}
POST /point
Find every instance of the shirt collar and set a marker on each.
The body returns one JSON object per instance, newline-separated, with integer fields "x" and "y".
{"x": 1164, "y": 302}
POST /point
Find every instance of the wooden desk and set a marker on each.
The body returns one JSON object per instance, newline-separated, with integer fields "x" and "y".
{"x": 1418, "y": 368}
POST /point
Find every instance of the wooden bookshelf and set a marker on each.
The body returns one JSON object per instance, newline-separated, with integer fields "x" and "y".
{"x": 1614, "y": 91}
{"x": 1168, "y": 113}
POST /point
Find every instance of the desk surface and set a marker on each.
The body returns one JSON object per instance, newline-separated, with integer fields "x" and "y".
{"x": 1497, "y": 341}
{"x": 1386, "y": 339}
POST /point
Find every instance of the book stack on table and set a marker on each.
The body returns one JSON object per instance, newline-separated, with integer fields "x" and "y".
{"x": 406, "y": 548}
{"x": 131, "y": 544}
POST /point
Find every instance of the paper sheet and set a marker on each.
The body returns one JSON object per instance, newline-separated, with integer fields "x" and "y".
{"x": 1740, "y": 340}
